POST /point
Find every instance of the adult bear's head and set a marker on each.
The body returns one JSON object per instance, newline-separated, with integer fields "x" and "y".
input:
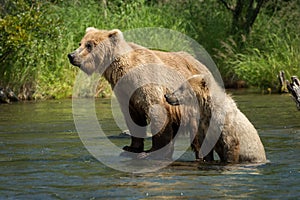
{"x": 97, "y": 50}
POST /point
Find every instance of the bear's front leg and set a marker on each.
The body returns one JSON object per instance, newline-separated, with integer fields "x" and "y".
{"x": 136, "y": 146}
{"x": 136, "y": 124}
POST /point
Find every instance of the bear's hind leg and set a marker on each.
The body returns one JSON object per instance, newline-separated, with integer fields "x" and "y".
{"x": 162, "y": 145}
{"x": 209, "y": 157}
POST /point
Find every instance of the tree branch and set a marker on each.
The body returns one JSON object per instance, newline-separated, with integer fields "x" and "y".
{"x": 256, "y": 11}
{"x": 229, "y": 7}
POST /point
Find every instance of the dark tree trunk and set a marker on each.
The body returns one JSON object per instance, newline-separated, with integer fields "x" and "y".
{"x": 244, "y": 13}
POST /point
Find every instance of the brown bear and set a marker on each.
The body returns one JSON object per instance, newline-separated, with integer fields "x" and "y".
{"x": 238, "y": 140}
{"x": 139, "y": 78}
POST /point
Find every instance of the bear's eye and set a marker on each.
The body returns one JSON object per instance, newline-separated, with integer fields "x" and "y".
{"x": 79, "y": 44}
{"x": 89, "y": 46}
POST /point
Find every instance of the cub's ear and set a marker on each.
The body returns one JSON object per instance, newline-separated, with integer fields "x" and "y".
{"x": 90, "y": 29}
{"x": 115, "y": 33}
{"x": 199, "y": 79}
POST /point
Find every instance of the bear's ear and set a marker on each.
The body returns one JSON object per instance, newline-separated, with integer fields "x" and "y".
{"x": 115, "y": 33}
{"x": 197, "y": 77}
{"x": 200, "y": 79}
{"x": 203, "y": 83}
{"x": 90, "y": 29}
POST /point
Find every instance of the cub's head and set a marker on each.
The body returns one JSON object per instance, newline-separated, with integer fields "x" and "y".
{"x": 185, "y": 95}
{"x": 97, "y": 50}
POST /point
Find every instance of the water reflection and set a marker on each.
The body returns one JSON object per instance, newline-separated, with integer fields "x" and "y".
{"x": 42, "y": 157}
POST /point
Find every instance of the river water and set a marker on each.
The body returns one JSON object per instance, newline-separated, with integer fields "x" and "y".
{"x": 42, "y": 157}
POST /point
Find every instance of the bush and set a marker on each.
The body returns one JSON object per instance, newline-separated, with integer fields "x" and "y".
{"x": 27, "y": 46}
{"x": 274, "y": 45}
{"x": 37, "y": 35}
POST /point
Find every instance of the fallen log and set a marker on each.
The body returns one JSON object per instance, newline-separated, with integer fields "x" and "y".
{"x": 294, "y": 89}
{"x": 7, "y": 95}
{"x": 283, "y": 84}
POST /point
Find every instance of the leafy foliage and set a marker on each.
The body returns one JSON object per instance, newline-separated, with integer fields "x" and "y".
{"x": 37, "y": 35}
{"x": 274, "y": 45}
{"x": 27, "y": 45}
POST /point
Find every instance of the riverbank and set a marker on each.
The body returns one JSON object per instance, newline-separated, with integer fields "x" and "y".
{"x": 37, "y": 36}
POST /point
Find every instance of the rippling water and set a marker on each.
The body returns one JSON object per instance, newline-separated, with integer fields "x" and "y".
{"x": 42, "y": 157}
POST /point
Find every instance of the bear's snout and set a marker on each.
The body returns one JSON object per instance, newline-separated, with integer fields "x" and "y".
{"x": 171, "y": 99}
{"x": 72, "y": 59}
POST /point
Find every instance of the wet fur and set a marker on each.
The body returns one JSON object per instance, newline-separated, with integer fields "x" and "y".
{"x": 115, "y": 58}
{"x": 239, "y": 140}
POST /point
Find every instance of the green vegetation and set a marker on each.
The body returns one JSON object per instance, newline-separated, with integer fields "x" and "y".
{"x": 37, "y": 35}
{"x": 274, "y": 45}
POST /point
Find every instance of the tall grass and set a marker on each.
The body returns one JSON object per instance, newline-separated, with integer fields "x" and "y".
{"x": 274, "y": 45}
{"x": 36, "y": 38}
{"x": 27, "y": 46}
{"x": 38, "y": 67}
